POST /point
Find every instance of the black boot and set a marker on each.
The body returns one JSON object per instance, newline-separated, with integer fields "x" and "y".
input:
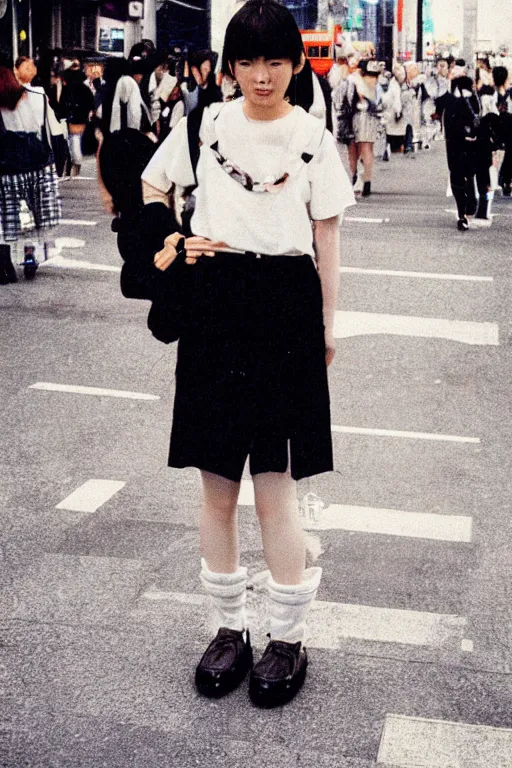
{"x": 224, "y": 664}
{"x": 279, "y": 675}
{"x": 7, "y": 271}
{"x": 367, "y": 189}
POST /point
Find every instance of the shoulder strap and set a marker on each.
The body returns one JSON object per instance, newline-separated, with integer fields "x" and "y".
{"x": 193, "y": 127}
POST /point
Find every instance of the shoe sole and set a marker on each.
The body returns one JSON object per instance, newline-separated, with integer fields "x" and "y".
{"x": 266, "y": 698}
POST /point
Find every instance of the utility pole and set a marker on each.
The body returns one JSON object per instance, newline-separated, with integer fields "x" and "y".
{"x": 419, "y": 31}
{"x": 470, "y": 30}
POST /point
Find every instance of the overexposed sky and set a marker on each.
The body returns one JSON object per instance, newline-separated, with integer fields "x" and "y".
{"x": 494, "y": 20}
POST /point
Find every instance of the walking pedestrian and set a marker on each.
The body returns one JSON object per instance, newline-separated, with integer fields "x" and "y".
{"x": 258, "y": 335}
{"x": 29, "y": 195}
{"x": 365, "y": 96}
{"x": 397, "y": 103}
{"x": 469, "y": 151}
{"x": 438, "y": 87}
{"x": 503, "y": 101}
{"x": 76, "y": 105}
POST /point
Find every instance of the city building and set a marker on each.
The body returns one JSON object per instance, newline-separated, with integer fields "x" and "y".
{"x": 75, "y": 26}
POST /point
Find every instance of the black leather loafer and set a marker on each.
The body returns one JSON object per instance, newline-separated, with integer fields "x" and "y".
{"x": 224, "y": 664}
{"x": 279, "y": 674}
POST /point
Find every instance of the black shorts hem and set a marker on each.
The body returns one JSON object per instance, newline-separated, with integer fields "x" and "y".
{"x": 235, "y": 477}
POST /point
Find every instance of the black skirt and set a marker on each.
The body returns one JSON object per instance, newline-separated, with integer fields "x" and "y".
{"x": 251, "y": 378}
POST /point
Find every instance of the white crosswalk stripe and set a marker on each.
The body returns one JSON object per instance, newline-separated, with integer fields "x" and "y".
{"x": 413, "y": 742}
{"x": 349, "y": 324}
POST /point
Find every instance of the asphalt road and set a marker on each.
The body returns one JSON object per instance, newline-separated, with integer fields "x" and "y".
{"x": 102, "y": 613}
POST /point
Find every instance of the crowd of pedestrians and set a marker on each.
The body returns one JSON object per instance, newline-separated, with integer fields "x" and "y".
{"x": 412, "y": 106}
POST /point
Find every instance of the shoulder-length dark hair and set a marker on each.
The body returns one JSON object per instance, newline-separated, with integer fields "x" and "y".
{"x": 261, "y": 28}
{"x": 10, "y": 90}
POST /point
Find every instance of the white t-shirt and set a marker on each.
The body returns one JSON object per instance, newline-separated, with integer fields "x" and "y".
{"x": 276, "y": 223}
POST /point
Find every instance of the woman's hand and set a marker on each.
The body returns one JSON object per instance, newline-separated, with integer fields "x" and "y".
{"x": 194, "y": 247}
{"x": 330, "y": 350}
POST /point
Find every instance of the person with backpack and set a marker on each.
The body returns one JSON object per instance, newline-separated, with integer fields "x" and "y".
{"x": 258, "y": 288}
{"x": 29, "y": 192}
{"x": 469, "y": 145}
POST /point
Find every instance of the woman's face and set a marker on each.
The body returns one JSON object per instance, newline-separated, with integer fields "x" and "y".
{"x": 264, "y": 82}
{"x": 26, "y": 71}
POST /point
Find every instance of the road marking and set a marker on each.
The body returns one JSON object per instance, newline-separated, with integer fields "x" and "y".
{"x": 415, "y": 742}
{"x": 91, "y": 495}
{"x": 455, "y": 211}
{"x": 407, "y": 435}
{"x": 392, "y": 522}
{"x": 467, "y": 645}
{"x": 332, "y": 623}
{"x": 78, "y": 222}
{"x": 335, "y": 622}
{"x": 77, "y": 178}
{"x": 65, "y": 263}
{"x": 425, "y": 275}
{"x": 79, "y": 390}
{"x": 364, "y": 220}
{"x": 348, "y": 324}
{"x": 246, "y": 495}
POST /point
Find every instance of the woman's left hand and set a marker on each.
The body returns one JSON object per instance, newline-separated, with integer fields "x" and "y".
{"x": 330, "y": 351}
{"x": 197, "y": 246}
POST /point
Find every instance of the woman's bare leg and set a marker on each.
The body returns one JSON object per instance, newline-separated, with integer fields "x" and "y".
{"x": 353, "y": 157}
{"x": 219, "y": 523}
{"x": 281, "y": 531}
{"x": 366, "y": 151}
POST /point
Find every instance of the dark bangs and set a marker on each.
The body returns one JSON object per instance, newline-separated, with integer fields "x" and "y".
{"x": 261, "y": 28}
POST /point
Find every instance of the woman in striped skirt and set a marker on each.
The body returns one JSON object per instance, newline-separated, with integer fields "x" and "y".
{"x": 29, "y": 195}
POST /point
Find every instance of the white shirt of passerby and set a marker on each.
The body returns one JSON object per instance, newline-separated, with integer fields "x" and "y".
{"x": 128, "y": 92}
{"x": 160, "y": 90}
{"x": 263, "y": 222}
{"x": 28, "y": 117}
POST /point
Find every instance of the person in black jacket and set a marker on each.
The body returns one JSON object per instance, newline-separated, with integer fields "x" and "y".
{"x": 76, "y": 106}
{"x": 469, "y": 144}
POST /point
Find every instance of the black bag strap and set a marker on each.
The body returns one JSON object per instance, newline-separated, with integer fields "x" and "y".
{"x": 124, "y": 115}
{"x": 194, "y": 120}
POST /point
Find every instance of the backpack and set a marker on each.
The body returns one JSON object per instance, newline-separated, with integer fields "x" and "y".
{"x": 141, "y": 228}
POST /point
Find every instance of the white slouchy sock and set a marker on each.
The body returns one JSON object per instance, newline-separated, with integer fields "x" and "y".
{"x": 228, "y": 596}
{"x": 288, "y": 606}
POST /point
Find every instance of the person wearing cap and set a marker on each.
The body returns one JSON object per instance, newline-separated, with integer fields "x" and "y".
{"x": 365, "y": 96}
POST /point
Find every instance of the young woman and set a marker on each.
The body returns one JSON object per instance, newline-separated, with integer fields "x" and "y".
{"x": 365, "y": 96}
{"x": 251, "y": 376}
{"x": 29, "y": 192}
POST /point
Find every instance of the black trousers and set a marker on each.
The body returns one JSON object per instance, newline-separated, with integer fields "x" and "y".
{"x": 506, "y": 166}
{"x": 467, "y": 162}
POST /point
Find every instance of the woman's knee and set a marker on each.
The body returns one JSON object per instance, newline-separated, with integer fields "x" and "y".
{"x": 275, "y": 494}
{"x": 220, "y": 495}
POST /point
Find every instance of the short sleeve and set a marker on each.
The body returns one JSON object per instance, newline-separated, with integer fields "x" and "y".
{"x": 171, "y": 162}
{"x": 331, "y": 190}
